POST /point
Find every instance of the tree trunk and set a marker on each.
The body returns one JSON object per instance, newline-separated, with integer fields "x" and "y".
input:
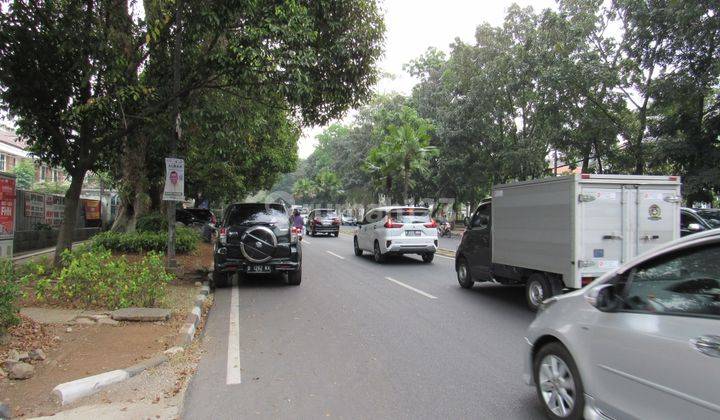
{"x": 134, "y": 200}
{"x": 70, "y": 214}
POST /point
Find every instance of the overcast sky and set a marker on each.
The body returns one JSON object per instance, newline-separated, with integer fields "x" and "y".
{"x": 414, "y": 25}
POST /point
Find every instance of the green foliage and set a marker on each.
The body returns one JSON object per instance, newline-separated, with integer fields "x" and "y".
{"x": 304, "y": 189}
{"x": 97, "y": 278}
{"x": 9, "y": 294}
{"x": 24, "y": 174}
{"x": 153, "y": 222}
{"x": 186, "y": 240}
{"x": 49, "y": 187}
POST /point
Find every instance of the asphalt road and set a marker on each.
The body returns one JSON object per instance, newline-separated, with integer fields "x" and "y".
{"x": 358, "y": 339}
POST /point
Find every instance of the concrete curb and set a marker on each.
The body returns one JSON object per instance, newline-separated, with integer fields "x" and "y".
{"x": 72, "y": 391}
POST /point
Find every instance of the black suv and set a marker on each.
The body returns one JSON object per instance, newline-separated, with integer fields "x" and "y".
{"x": 256, "y": 238}
{"x": 323, "y": 221}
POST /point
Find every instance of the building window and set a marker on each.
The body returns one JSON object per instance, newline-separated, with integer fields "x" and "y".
{"x": 43, "y": 173}
{"x": 2, "y": 162}
{"x": 55, "y": 175}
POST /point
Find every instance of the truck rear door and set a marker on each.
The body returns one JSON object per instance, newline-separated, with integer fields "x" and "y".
{"x": 658, "y": 212}
{"x": 603, "y": 230}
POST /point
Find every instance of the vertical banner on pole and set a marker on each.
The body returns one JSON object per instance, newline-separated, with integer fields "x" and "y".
{"x": 174, "y": 180}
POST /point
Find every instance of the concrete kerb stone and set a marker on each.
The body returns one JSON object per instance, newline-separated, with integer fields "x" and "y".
{"x": 72, "y": 391}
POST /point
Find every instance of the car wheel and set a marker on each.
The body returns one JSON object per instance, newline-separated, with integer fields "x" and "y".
{"x": 537, "y": 289}
{"x": 358, "y": 251}
{"x": 294, "y": 277}
{"x": 220, "y": 279}
{"x": 427, "y": 258}
{"x": 463, "y": 274}
{"x": 558, "y": 383}
{"x": 313, "y": 233}
{"x": 336, "y": 234}
{"x": 377, "y": 254}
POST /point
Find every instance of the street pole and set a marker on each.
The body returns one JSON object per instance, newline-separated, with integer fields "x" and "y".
{"x": 171, "y": 261}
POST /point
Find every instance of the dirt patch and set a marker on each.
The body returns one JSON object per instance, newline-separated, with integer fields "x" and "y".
{"x": 92, "y": 349}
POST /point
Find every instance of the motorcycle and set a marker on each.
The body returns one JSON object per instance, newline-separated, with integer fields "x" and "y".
{"x": 445, "y": 229}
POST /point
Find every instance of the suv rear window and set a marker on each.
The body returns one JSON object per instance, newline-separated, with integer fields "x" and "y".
{"x": 325, "y": 213}
{"x": 258, "y": 213}
{"x": 410, "y": 215}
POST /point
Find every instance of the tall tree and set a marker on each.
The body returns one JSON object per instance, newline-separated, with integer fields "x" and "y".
{"x": 65, "y": 79}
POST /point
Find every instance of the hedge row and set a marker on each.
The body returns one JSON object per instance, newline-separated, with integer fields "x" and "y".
{"x": 186, "y": 240}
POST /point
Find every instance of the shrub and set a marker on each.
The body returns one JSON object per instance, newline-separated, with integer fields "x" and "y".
{"x": 153, "y": 222}
{"x": 96, "y": 278}
{"x": 186, "y": 240}
{"x": 9, "y": 294}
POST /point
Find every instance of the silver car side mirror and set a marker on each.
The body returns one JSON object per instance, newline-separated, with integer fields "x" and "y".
{"x": 695, "y": 227}
{"x": 601, "y": 295}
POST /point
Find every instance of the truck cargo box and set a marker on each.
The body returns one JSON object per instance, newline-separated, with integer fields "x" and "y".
{"x": 581, "y": 226}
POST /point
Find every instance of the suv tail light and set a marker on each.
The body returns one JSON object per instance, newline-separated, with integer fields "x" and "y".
{"x": 223, "y": 235}
{"x": 432, "y": 224}
{"x": 295, "y": 233}
{"x": 392, "y": 224}
{"x": 336, "y": 221}
{"x": 317, "y": 222}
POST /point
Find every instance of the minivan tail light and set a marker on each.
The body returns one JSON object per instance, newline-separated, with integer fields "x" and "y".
{"x": 392, "y": 224}
{"x": 213, "y": 219}
{"x": 432, "y": 224}
{"x": 223, "y": 235}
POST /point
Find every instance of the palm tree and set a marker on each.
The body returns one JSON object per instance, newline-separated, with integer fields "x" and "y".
{"x": 304, "y": 189}
{"x": 406, "y": 149}
{"x": 327, "y": 185}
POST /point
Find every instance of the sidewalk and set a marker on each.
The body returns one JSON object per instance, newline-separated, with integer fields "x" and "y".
{"x": 50, "y": 252}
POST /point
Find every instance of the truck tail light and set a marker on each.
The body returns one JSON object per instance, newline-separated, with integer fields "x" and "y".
{"x": 432, "y": 224}
{"x": 585, "y": 176}
{"x": 390, "y": 223}
{"x": 223, "y": 235}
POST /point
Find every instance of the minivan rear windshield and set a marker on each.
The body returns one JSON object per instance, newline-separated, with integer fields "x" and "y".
{"x": 326, "y": 213}
{"x": 258, "y": 213}
{"x": 410, "y": 215}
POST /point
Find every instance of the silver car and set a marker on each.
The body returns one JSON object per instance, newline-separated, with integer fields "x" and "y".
{"x": 640, "y": 342}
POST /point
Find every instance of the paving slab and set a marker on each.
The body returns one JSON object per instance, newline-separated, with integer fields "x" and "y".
{"x": 141, "y": 314}
{"x": 51, "y": 315}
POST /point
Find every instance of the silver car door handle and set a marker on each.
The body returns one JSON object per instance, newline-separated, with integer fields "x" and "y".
{"x": 708, "y": 345}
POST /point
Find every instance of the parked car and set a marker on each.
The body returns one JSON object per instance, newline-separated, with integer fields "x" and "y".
{"x": 323, "y": 221}
{"x": 640, "y": 342}
{"x": 348, "y": 219}
{"x": 395, "y": 231}
{"x": 698, "y": 220}
{"x": 202, "y": 219}
{"x": 561, "y": 233}
{"x": 256, "y": 238}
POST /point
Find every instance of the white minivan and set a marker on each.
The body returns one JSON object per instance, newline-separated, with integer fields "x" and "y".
{"x": 397, "y": 230}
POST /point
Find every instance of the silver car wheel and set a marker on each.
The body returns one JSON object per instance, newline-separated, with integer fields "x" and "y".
{"x": 557, "y": 385}
{"x": 536, "y": 293}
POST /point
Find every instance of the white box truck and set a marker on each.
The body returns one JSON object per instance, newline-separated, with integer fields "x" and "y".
{"x": 563, "y": 232}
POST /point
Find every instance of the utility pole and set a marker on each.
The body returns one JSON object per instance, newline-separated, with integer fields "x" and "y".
{"x": 176, "y": 137}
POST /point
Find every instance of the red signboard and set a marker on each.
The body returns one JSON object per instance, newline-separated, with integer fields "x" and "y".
{"x": 7, "y": 206}
{"x": 92, "y": 209}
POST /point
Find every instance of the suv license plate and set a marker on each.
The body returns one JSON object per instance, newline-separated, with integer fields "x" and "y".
{"x": 258, "y": 269}
{"x": 413, "y": 233}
